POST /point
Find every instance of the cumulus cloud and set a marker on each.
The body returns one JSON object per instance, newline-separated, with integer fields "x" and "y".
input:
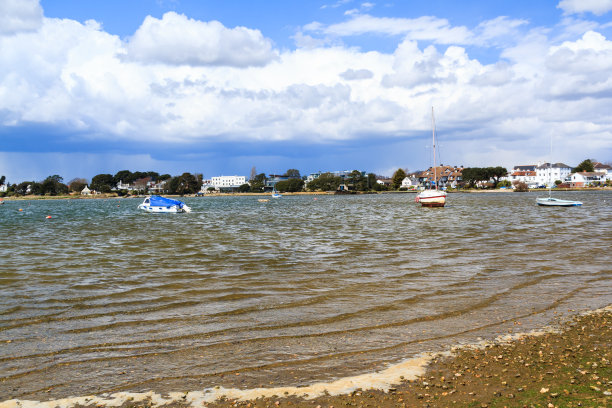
{"x": 20, "y": 15}
{"x": 597, "y": 7}
{"x": 194, "y": 85}
{"x": 178, "y": 40}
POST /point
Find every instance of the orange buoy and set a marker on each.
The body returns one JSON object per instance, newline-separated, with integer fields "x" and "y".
{"x": 21, "y": 209}
{"x": 48, "y": 216}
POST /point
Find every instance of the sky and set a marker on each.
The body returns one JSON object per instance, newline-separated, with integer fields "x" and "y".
{"x": 173, "y": 86}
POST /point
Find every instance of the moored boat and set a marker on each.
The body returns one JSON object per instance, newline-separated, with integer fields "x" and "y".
{"x": 550, "y": 201}
{"x": 432, "y": 197}
{"x": 158, "y": 204}
{"x": 556, "y": 202}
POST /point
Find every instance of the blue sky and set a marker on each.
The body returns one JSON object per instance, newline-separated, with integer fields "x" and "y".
{"x": 220, "y": 87}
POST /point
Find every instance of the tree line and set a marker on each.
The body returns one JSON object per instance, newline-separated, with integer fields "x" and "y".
{"x": 186, "y": 183}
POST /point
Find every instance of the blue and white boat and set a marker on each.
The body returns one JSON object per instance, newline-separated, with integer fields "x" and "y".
{"x": 158, "y": 204}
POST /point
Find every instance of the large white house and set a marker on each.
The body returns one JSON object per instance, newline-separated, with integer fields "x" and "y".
{"x": 228, "y": 181}
{"x": 547, "y": 173}
{"x": 585, "y": 179}
{"x": 604, "y": 168}
{"x": 528, "y": 177}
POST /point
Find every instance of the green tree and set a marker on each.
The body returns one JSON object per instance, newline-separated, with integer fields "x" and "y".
{"x": 398, "y": 177}
{"x": 187, "y": 184}
{"x": 53, "y": 185}
{"x": 124, "y": 176}
{"x": 585, "y": 165}
{"x": 102, "y": 183}
{"x": 2, "y": 180}
{"x": 77, "y": 184}
{"x": 357, "y": 181}
{"x": 472, "y": 175}
{"x": 291, "y": 185}
{"x": 293, "y": 174}
{"x": 164, "y": 177}
{"x": 22, "y": 188}
{"x": 171, "y": 185}
{"x": 245, "y": 188}
{"x": 372, "y": 181}
{"x": 496, "y": 173}
{"x": 258, "y": 183}
{"x": 325, "y": 182}
{"x": 56, "y": 178}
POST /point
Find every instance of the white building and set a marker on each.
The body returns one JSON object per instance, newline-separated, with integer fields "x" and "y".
{"x": 547, "y": 173}
{"x": 410, "y": 183}
{"x": 3, "y": 188}
{"x": 525, "y": 176}
{"x": 228, "y": 181}
{"x": 85, "y": 191}
{"x": 604, "y": 168}
{"x": 585, "y": 179}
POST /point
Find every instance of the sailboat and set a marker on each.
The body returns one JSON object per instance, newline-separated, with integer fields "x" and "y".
{"x": 550, "y": 201}
{"x": 432, "y": 197}
{"x": 276, "y": 194}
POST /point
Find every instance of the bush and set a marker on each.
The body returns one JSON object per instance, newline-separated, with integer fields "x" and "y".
{"x": 520, "y": 187}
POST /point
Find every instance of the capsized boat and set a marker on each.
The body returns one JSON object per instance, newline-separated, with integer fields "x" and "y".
{"x": 158, "y": 204}
{"x": 432, "y": 197}
{"x": 556, "y": 202}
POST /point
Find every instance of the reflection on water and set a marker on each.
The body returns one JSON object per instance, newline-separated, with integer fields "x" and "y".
{"x": 102, "y": 297}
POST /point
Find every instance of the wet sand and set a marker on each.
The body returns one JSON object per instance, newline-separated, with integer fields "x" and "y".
{"x": 566, "y": 365}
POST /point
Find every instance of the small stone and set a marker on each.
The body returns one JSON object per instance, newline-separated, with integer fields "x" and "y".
{"x": 543, "y": 390}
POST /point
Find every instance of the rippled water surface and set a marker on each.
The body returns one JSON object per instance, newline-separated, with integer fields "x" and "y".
{"x": 103, "y": 298}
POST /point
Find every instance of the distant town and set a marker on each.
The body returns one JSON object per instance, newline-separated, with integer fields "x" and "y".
{"x": 589, "y": 173}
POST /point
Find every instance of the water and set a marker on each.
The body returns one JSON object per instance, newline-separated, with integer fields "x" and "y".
{"x": 103, "y": 298}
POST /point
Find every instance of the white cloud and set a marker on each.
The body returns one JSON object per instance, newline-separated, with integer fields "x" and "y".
{"x": 422, "y": 28}
{"x": 99, "y": 88}
{"x": 19, "y": 15}
{"x": 491, "y": 31}
{"x": 597, "y": 7}
{"x": 178, "y": 40}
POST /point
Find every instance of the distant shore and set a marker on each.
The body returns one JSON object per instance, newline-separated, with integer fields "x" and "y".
{"x": 307, "y": 193}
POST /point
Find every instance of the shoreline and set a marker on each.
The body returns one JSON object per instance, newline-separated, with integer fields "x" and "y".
{"x": 301, "y": 193}
{"x": 561, "y": 365}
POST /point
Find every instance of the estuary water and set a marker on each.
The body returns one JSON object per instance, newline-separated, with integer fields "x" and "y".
{"x": 103, "y": 298}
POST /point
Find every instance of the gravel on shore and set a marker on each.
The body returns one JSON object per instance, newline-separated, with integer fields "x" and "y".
{"x": 566, "y": 366}
{"x": 570, "y": 367}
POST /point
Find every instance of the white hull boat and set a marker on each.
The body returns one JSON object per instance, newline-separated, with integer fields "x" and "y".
{"x": 158, "y": 204}
{"x": 555, "y": 202}
{"x": 432, "y": 197}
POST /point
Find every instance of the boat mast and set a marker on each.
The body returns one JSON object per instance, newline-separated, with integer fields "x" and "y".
{"x": 433, "y": 130}
{"x": 550, "y": 170}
